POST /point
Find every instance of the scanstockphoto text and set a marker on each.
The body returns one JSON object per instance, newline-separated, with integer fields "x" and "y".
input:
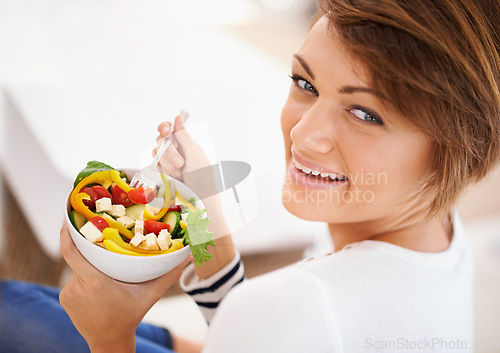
{"x": 430, "y": 344}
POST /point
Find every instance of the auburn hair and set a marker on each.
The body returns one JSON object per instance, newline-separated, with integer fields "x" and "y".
{"x": 438, "y": 64}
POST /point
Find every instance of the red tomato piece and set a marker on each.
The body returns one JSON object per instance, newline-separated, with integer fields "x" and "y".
{"x": 155, "y": 226}
{"x": 176, "y": 208}
{"x": 120, "y": 197}
{"x": 99, "y": 222}
{"x": 93, "y": 197}
{"x": 142, "y": 195}
{"x": 101, "y": 191}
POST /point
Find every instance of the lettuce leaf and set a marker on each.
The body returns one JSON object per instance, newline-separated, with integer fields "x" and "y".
{"x": 91, "y": 168}
{"x": 197, "y": 236}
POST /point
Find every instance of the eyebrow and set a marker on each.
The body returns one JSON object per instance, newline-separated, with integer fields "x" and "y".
{"x": 304, "y": 65}
{"x": 345, "y": 89}
{"x": 352, "y": 90}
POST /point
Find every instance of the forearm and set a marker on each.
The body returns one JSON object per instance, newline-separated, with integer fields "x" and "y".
{"x": 223, "y": 251}
{"x": 182, "y": 345}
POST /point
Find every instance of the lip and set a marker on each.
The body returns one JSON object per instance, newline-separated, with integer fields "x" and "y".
{"x": 309, "y": 181}
{"x": 311, "y": 165}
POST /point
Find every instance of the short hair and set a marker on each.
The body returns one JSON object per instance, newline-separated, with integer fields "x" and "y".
{"x": 438, "y": 64}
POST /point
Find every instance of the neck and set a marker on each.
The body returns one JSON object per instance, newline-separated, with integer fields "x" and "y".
{"x": 414, "y": 233}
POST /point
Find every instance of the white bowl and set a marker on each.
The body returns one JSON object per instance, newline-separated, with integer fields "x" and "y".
{"x": 126, "y": 268}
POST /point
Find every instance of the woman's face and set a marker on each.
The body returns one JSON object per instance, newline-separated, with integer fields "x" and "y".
{"x": 370, "y": 162}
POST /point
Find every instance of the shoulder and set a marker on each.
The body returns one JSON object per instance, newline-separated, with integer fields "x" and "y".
{"x": 270, "y": 309}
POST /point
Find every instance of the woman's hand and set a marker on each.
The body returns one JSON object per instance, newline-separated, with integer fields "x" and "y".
{"x": 186, "y": 161}
{"x": 106, "y": 312}
{"x": 185, "y": 156}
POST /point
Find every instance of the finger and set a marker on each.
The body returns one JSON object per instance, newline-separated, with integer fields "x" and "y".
{"x": 182, "y": 137}
{"x": 172, "y": 154}
{"x": 73, "y": 256}
{"x": 165, "y": 128}
{"x": 166, "y": 281}
{"x": 179, "y": 123}
{"x": 159, "y": 140}
{"x": 167, "y": 168}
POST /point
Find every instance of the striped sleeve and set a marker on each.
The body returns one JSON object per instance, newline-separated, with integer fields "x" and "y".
{"x": 208, "y": 292}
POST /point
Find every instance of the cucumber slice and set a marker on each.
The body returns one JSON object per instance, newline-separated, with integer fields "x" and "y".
{"x": 173, "y": 218}
{"x": 135, "y": 211}
{"x": 77, "y": 219}
{"x": 107, "y": 217}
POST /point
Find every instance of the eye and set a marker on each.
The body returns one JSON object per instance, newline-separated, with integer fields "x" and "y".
{"x": 304, "y": 84}
{"x": 366, "y": 115}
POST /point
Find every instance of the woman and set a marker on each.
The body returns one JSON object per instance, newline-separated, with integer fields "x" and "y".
{"x": 393, "y": 110}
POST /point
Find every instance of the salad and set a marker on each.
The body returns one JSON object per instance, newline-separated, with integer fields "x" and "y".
{"x": 110, "y": 213}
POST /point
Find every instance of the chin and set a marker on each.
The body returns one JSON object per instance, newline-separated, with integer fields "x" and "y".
{"x": 304, "y": 209}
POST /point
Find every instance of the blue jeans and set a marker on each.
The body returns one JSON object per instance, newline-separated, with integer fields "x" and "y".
{"x": 32, "y": 320}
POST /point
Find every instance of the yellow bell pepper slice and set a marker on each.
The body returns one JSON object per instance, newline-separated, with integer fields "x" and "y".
{"x": 176, "y": 245}
{"x": 112, "y": 246}
{"x": 119, "y": 246}
{"x": 183, "y": 201}
{"x": 166, "y": 204}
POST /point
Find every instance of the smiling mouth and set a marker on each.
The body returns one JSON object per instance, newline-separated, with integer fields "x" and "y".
{"x": 327, "y": 177}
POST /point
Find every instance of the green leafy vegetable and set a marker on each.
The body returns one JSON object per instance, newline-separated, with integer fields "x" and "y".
{"x": 91, "y": 168}
{"x": 197, "y": 236}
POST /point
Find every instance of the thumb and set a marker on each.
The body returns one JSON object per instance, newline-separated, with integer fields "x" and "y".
{"x": 181, "y": 135}
{"x": 164, "y": 282}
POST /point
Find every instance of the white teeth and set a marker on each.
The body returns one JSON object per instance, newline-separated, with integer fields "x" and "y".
{"x": 306, "y": 170}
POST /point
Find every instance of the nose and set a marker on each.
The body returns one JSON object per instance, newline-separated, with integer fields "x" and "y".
{"x": 312, "y": 132}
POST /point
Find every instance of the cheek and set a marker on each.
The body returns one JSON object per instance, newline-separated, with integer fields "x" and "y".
{"x": 387, "y": 171}
{"x": 290, "y": 116}
{"x": 397, "y": 172}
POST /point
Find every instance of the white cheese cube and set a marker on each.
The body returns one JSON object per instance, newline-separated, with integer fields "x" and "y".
{"x": 137, "y": 239}
{"x": 91, "y": 232}
{"x": 118, "y": 210}
{"x": 103, "y": 205}
{"x": 139, "y": 226}
{"x": 126, "y": 221}
{"x": 184, "y": 216}
{"x": 107, "y": 217}
{"x": 151, "y": 243}
{"x": 164, "y": 239}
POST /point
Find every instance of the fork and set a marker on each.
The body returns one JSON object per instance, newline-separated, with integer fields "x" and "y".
{"x": 148, "y": 177}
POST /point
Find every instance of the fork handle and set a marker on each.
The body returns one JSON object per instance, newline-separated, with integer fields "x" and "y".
{"x": 167, "y": 141}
